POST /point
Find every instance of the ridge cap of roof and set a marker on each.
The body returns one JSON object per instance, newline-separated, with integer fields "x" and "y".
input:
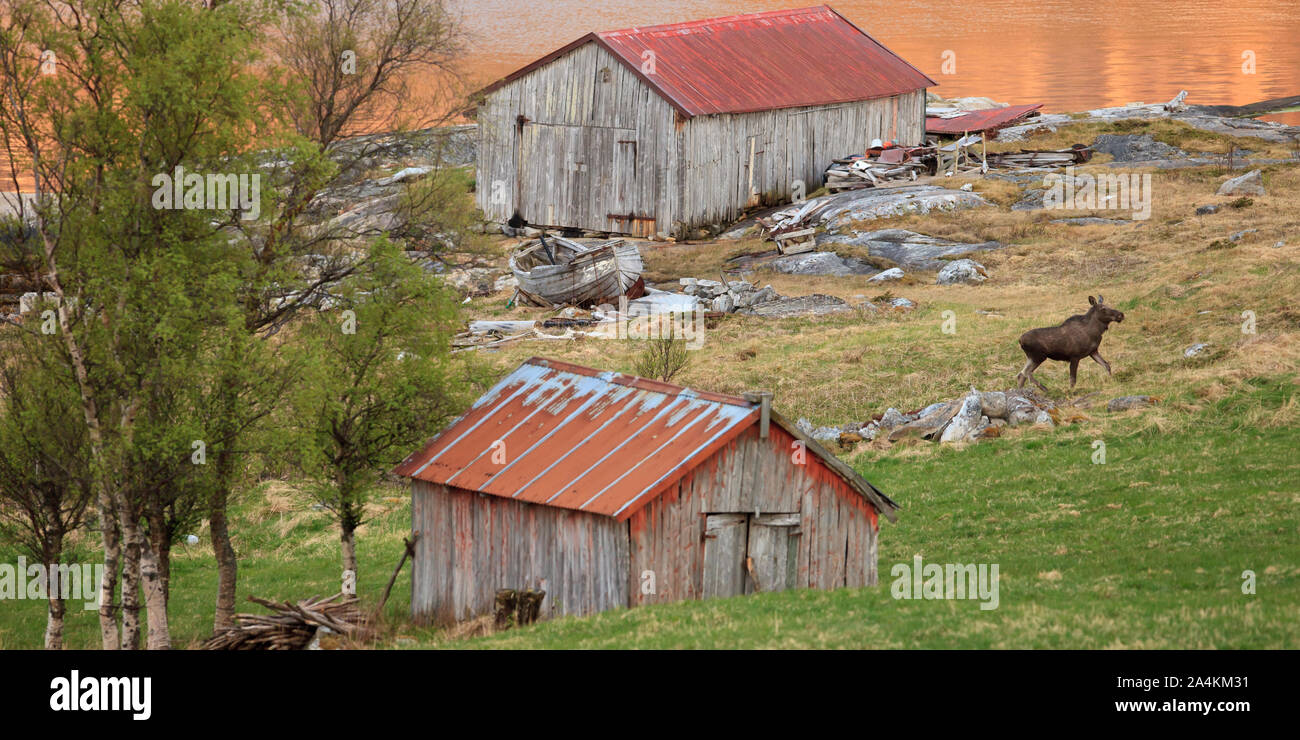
{"x": 700, "y": 22}
{"x": 646, "y": 384}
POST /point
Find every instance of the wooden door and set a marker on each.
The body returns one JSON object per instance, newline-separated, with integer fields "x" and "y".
{"x": 772, "y": 552}
{"x": 744, "y": 553}
{"x": 725, "y": 537}
{"x": 576, "y": 176}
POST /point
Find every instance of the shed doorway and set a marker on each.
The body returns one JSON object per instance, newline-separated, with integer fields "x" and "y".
{"x": 576, "y": 176}
{"x": 748, "y": 553}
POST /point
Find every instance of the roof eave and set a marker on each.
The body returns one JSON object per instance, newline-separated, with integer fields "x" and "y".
{"x": 884, "y": 504}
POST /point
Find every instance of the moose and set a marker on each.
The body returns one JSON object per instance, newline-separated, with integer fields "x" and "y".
{"x": 1072, "y": 340}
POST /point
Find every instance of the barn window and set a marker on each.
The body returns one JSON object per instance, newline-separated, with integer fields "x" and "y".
{"x": 605, "y": 74}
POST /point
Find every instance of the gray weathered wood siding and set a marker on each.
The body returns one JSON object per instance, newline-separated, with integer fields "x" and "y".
{"x": 724, "y": 159}
{"x": 472, "y": 544}
{"x": 834, "y": 542}
{"x": 597, "y": 141}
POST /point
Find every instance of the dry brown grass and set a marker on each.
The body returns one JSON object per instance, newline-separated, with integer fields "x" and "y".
{"x": 1174, "y": 291}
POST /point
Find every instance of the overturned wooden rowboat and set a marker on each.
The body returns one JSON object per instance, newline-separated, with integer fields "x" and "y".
{"x": 553, "y": 271}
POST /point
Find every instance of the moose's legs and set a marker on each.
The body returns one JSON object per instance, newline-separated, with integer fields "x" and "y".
{"x": 1097, "y": 356}
{"x": 1028, "y": 374}
{"x": 1074, "y": 371}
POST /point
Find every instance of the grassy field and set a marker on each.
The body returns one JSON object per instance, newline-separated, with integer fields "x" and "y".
{"x": 1146, "y": 550}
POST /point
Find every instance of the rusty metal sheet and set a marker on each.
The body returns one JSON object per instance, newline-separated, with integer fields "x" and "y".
{"x": 980, "y": 120}
{"x": 759, "y": 61}
{"x": 567, "y": 436}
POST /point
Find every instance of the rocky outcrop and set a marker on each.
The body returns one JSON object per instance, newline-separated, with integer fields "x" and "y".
{"x": 907, "y": 249}
{"x": 820, "y": 263}
{"x": 1135, "y": 148}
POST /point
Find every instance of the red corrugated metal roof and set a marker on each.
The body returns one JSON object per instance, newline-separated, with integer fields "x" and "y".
{"x": 980, "y": 120}
{"x": 759, "y": 61}
{"x": 562, "y": 435}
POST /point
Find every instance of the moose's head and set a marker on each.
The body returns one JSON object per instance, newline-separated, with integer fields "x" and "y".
{"x": 1103, "y": 313}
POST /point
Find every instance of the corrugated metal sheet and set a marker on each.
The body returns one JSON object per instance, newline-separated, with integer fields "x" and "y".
{"x": 759, "y": 61}
{"x": 563, "y": 435}
{"x": 980, "y": 120}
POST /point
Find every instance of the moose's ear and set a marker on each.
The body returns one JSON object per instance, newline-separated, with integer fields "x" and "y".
{"x": 1100, "y": 300}
{"x": 1092, "y": 301}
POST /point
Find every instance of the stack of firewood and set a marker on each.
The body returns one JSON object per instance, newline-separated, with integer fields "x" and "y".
{"x": 292, "y": 626}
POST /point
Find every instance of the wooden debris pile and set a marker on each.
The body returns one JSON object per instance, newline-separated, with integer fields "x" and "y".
{"x": 791, "y": 227}
{"x": 291, "y": 626}
{"x": 1050, "y": 158}
{"x": 878, "y": 166}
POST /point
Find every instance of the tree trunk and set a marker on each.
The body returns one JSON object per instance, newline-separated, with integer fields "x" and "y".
{"x": 109, "y": 634}
{"x": 222, "y": 549}
{"x": 161, "y": 541}
{"x": 349, "y": 539}
{"x": 155, "y": 596}
{"x": 54, "y": 591}
{"x": 110, "y": 637}
{"x": 54, "y": 624}
{"x": 131, "y": 547}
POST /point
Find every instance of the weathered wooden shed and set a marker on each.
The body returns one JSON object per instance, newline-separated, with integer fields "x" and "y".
{"x": 658, "y": 130}
{"x": 606, "y": 490}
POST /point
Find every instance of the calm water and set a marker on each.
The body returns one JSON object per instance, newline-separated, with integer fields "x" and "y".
{"x": 1069, "y": 55}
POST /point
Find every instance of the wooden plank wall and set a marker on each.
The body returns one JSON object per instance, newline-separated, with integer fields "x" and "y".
{"x": 472, "y": 544}
{"x": 585, "y": 87}
{"x": 838, "y": 528}
{"x": 789, "y": 144}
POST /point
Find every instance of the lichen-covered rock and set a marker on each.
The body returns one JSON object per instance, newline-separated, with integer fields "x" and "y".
{"x": 930, "y": 422}
{"x": 892, "y": 418}
{"x": 963, "y": 271}
{"x": 893, "y": 273}
{"x": 966, "y": 423}
{"x": 994, "y": 404}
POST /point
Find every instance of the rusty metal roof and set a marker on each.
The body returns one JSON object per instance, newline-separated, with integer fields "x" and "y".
{"x": 753, "y": 62}
{"x": 980, "y": 120}
{"x": 562, "y": 435}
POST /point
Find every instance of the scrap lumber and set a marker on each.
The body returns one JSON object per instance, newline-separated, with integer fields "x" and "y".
{"x": 1077, "y": 154}
{"x": 291, "y": 626}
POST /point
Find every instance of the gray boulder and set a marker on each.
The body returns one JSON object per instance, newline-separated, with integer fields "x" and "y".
{"x": 966, "y": 423}
{"x": 963, "y": 271}
{"x": 893, "y": 273}
{"x": 1251, "y": 183}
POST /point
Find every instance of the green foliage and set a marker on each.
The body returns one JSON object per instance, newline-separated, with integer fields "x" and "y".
{"x": 662, "y": 358}
{"x": 377, "y": 377}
